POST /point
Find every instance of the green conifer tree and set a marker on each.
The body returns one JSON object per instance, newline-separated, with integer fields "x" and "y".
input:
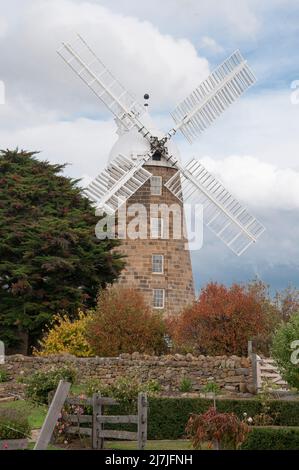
{"x": 50, "y": 258}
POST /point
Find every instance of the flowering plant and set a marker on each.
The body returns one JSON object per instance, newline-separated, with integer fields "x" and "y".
{"x": 64, "y": 422}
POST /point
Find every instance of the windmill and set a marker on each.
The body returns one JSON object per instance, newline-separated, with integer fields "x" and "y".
{"x": 145, "y": 167}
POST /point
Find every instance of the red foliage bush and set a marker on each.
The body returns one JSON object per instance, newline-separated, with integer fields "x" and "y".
{"x": 223, "y": 319}
{"x": 223, "y": 430}
{"x": 123, "y": 323}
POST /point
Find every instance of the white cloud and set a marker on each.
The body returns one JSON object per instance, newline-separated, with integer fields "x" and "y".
{"x": 3, "y": 27}
{"x": 210, "y": 43}
{"x": 237, "y": 19}
{"x": 240, "y": 17}
{"x": 264, "y": 125}
{"x": 83, "y": 143}
{"x": 45, "y": 100}
{"x": 257, "y": 183}
{"x": 136, "y": 51}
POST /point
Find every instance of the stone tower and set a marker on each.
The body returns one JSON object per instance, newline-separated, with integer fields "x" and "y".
{"x": 158, "y": 267}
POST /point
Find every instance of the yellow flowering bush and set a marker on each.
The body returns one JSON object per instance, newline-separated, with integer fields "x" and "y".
{"x": 65, "y": 336}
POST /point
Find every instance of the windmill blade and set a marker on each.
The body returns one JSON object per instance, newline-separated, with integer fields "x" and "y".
{"x": 212, "y": 97}
{"x": 120, "y": 180}
{"x": 223, "y": 214}
{"x": 85, "y": 63}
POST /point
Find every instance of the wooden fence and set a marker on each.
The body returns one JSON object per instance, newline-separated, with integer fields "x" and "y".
{"x": 266, "y": 371}
{"x": 94, "y": 425}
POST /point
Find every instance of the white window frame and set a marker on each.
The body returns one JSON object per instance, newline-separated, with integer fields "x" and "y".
{"x": 156, "y": 189}
{"x": 162, "y": 263}
{"x": 160, "y": 307}
{"x": 156, "y": 227}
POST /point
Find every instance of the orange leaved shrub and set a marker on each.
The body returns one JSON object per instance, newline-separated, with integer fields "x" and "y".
{"x": 123, "y": 323}
{"x": 223, "y": 319}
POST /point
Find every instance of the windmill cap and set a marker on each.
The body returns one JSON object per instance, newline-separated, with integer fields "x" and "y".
{"x": 133, "y": 145}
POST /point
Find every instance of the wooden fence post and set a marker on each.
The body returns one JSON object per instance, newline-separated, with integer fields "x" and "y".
{"x": 249, "y": 348}
{"x": 142, "y": 420}
{"x": 94, "y": 422}
{"x": 52, "y": 416}
{"x": 97, "y": 426}
{"x": 256, "y": 372}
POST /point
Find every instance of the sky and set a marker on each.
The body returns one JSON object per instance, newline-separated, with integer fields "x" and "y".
{"x": 166, "y": 49}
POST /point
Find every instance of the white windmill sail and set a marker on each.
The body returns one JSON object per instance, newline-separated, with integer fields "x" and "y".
{"x": 114, "y": 185}
{"x": 223, "y": 214}
{"x": 87, "y": 65}
{"x": 212, "y": 97}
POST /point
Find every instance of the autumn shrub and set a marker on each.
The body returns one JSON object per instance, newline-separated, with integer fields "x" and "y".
{"x": 66, "y": 336}
{"x": 222, "y": 430}
{"x": 285, "y": 350}
{"x": 123, "y": 323}
{"x": 223, "y": 319}
{"x": 287, "y": 301}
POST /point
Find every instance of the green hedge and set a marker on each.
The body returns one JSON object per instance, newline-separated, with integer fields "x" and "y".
{"x": 272, "y": 439}
{"x": 168, "y": 416}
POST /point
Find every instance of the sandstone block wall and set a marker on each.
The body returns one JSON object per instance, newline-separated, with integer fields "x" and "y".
{"x": 177, "y": 278}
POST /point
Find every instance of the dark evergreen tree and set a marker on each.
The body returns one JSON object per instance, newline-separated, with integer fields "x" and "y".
{"x": 50, "y": 258}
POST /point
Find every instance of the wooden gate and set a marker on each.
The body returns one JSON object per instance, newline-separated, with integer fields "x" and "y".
{"x": 94, "y": 425}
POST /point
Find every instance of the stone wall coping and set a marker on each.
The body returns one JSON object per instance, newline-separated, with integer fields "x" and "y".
{"x": 183, "y": 360}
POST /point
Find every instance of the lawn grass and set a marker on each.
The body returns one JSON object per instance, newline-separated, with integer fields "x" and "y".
{"x": 36, "y": 413}
{"x": 130, "y": 445}
{"x": 78, "y": 389}
{"x": 150, "y": 445}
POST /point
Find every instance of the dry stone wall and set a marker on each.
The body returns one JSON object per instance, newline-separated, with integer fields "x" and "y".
{"x": 233, "y": 374}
